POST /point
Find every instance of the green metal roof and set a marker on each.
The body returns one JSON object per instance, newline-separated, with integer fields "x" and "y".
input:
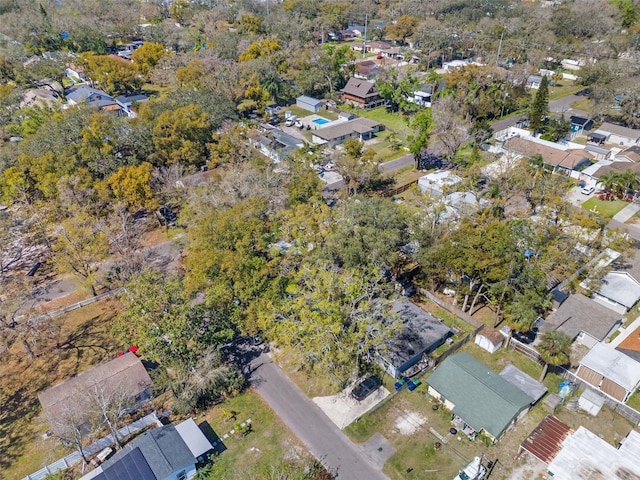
{"x": 482, "y": 398}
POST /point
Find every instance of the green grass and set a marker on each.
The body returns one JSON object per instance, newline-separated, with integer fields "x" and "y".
{"x": 604, "y": 208}
{"x": 580, "y": 140}
{"x": 634, "y": 401}
{"x": 392, "y": 121}
{"x": 266, "y": 444}
{"x": 564, "y": 89}
{"x": 582, "y": 104}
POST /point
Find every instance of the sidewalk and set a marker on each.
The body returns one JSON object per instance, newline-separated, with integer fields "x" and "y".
{"x": 626, "y": 213}
{"x": 624, "y": 333}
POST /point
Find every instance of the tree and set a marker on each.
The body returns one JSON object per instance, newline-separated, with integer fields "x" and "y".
{"x": 421, "y": 124}
{"x": 451, "y": 128}
{"x": 113, "y": 75}
{"x": 260, "y": 48}
{"x": 180, "y": 136}
{"x": 79, "y": 247}
{"x": 357, "y": 167}
{"x": 397, "y": 90}
{"x": 539, "y": 107}
{"x": 147, "y": 57}
{"x": 132, "y": 185}
{"x": 403, "y": 27}
{"x": 554, "y": 349}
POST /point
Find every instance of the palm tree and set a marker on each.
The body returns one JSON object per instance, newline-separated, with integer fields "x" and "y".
{"x": 272, "y": 84}
{"x": 608, "y": 181}
{"x": 554, "y": 350}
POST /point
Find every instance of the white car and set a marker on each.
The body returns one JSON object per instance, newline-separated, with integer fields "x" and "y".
{"x": 474, "y": 471}
{"x": 588, "y": 190}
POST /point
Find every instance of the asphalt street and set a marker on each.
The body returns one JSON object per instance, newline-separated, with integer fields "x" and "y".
{"x": 305, "y": 419}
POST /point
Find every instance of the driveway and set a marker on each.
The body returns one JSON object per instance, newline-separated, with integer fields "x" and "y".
{"x": 323, "y": 439}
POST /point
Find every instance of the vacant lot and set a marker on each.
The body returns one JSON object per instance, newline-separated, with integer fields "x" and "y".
{"x": 63, "y": 347}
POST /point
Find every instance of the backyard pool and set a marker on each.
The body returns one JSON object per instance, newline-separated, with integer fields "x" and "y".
{"x": 320, "y": 121}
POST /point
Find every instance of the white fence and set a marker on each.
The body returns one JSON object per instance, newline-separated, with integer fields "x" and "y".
{"x": 75, "y": 457}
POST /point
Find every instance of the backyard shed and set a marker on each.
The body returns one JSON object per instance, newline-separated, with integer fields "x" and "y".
{"x": 545, "y": 441}
{"x": 309, "y": 103}
{"x": 591, "y": 402}
{"x": 489, "y": 339}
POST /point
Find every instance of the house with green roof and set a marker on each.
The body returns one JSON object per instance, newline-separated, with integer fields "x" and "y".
{"x": 481, "y": 401}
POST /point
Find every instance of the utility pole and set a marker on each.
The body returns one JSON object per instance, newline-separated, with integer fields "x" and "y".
{"x": 267, "y": 8}
{"x": 499, "y": 48}
{"x": 364, "y": 42}
{"x": 322, "y": 35}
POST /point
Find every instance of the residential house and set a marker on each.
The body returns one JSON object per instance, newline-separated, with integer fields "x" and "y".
{"x": 124, "y": 376}
{"x": 631, "y": 154}
{"x": 75, "y": 73}
{"x": 165, "y": 453}
{"x": 570, "y": 64}
{"x": 333, "y": 135}
{"x": 361, "y": 93}
{"x": 128, "y": 102}
{"x": 308, "y": 103}
{"x": 559, "y": 157}
{"x": 273, "y": 142}
{"x": 617, "y": 134}
{"x": 482, "y": 402}
{"x": 619, "y": 291}
{"x": 92, "y": 96}
{"x": 376, "y": 46}
{"x": 584, "y": 454}
{"x": 436, "y": 183}
{"x": 489, "y": 339}
{"x": 579, "y": 125}
{"x": 583, "y": 320}
{"x": 533, "y": 82}
{"x": 394, "y": 53}
{"x": 421, "y": 333}
{"x": 545, "y": 441}
{"x": 366, "y": 70}
{"x": 610, "y": 371}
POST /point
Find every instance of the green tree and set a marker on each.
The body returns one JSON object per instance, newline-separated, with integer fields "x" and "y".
{"x": 180, "y": 136}
{"x": 132, "y": 185}
{"x": 147, "y": 57}
{"x": 421, "y": 124}
{"x": 539, "y": 107}
{"x": 397, "y": 89}
{"x": 554, "y": 349}
{"x": 403, "y": 27}
{"x": 357, "y": 167}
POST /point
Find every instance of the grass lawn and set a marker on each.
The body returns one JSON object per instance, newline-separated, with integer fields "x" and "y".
{"x": 564, "y": 89}
{"x": 392, "y": 121}
{"x": 84, "y": 340}
{"x": 634, "y": 401}
{"x": 583, "y": 104}
{"x": 266, "y": 444}
{"x": 604, "y": 208}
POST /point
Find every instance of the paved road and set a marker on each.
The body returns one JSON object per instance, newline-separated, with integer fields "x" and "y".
{"x": 320, "y": 435}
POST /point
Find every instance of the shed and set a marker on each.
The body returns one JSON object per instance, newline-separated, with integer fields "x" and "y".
{"x": 597, "y": 138}
{"x": 489, "y": 339}
{"x": 421, "y": 333}
{"x": 309, "y": 103}
{"x": 523, "y": 382}
{"x": 610, "y": 371}
{"x": 435, "y": 183}
{"x": 590, "y": 401}
{"x": 545, "y": 441}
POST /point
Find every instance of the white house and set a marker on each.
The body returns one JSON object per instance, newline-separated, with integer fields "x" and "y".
{"x": 618, "y": 134}
{"x": 436, "y": 182}
{"x": 619, "y": 292}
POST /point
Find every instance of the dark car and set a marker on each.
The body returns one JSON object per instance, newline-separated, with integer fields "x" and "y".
{"x": 366, "y": 388}
{"x": 526, "y": 337}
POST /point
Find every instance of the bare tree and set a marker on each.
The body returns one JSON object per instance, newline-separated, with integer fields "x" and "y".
{"x": 452, "y": 129}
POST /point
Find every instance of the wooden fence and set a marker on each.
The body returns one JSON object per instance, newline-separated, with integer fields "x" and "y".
{"x": 450, "y": 308}
{"x": 395, "y": 191}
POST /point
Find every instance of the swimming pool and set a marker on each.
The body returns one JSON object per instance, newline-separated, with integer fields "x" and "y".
{"x": 320, "y": 121}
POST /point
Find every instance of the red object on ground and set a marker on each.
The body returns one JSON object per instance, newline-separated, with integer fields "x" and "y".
{"x": 133, "y": 349}
{"x": 120, "y": 354}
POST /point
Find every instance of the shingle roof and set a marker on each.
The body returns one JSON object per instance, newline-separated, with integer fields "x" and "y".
{"x": 546, "y": 439}
{"x": 551, "y": 156}
{"x": 481, "y": 397}
{"x": 359, "y": 125}
{"x": 579, "y": 313}
{"x": 360, "y": 88}
{"x": 89, "y": 95}
{"x": 619, "y": 130}
{"x": 617, "y": 167}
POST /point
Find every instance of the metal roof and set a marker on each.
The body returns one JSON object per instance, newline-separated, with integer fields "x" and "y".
{"x": 620, "y": 287}
{"x": 482, "y": 398}
{"x": 545, "y": 440}
{"x": 309, "y": 100}
{"x": 193, "y": 437}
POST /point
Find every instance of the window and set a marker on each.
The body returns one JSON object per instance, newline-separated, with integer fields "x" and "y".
{"x": 182, "y": 475}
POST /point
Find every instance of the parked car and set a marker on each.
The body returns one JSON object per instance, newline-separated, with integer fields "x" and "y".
{"x": 588, "y": 190}
{"x": 474, "y": 471}
{"x": 366, "y": 388}
{"x": 526, "y": 337}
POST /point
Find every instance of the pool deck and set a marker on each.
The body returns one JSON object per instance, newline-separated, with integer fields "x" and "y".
{"x": 309, "y": 120}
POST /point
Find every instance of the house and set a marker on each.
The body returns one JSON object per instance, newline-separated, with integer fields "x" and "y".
{"x": 121, "y": 376}
{"x": 127, "y": 102}
{"x": 361, "y": 93}
{"x": 308, "y": 103}
{"x": 482, "y": 402}
{"x": 583, "y": 320}
{"x": 91, "y": 96}
{"x": 165, "y": 453}
{"x": 619, "y": 291}
{"x": 376, "y": 46}
{"x": 333, "y": 135}
{"x": 556, "y": 156}
{"x": 421, "y": 334}
{"x": 545, "y": 441}
{"x": 579, "y": 125}
{"x": 75, "y": 73}
{"x": 366, "y": 70}
{"x": 437, "y": 182}
{"x": 523, "y": 382}
{"x": 610, "y": 371}
{"x": 533, "y": 81}
{"x": 489, "y": 339}
{"x": 584, "y": 454}
{"x": 273, "y": 142}
{"x": 617, "y": 134}
{"x": 631, "y": 154}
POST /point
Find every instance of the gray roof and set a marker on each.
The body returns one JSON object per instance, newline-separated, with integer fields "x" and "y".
{"x": 162, "y": 448}
{"x": 358, "y": 125}
{"x": 87, "y": 94}
{"x": 128, "y": 100}
{"x": 619, "y": 130}
{"x": 360, "y": 88}
{"x": 482, "y": 398}
{"x": 629, "y": 263}
{"x": 420, "y": 332}
{"x": 529, "y": 386}
{"x": 614, "y": 365}
{"x": 309, "y": 100}
{"x": 534, "y": 79}
{"x": 193, "y": 437}
{"x": 620, "y": 287}
{"x": 581, "y": 314}
{"x": 130, "y": 466}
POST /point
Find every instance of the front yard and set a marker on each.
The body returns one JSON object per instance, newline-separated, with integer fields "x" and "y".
{"x": 604, "y": 208}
